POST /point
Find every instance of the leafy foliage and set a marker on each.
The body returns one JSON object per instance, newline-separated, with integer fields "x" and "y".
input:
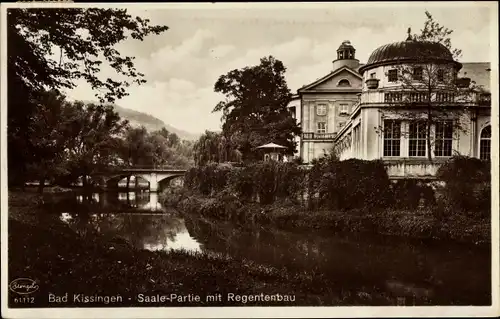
{"x": 434, "y": 32}
{"x": 411, "y": 194}
{"x": 83, "y": 42}
{"x": 215, "y": 147}
{"x": 94, "y": 134}
{"x": 79, "y": 140}
{"x": 49, "y": 50}
{"x": 468, "y": 185}
{"x": 331, "y": 183}
{"x": 349, "y": 184}
{"x": 49, "y": 137}
{"x": 208, "y": 179}
{"x": 159, "y": 148}
{"x": 255, "y": 109}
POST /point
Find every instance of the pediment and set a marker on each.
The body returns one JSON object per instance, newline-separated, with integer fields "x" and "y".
{"x": 343, "y": 79}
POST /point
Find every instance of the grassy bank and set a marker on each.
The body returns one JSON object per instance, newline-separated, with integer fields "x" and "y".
{"x": 420, "y": 223}
{"x": 44, "y": 249}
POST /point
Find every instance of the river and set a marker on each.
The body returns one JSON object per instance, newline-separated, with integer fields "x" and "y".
{"x": 447, "y": 272}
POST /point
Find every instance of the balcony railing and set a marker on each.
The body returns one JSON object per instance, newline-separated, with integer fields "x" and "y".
{"x": 318, "y": 136}
{"x": 395, "y": 97}
{"x": 413, "y": 168}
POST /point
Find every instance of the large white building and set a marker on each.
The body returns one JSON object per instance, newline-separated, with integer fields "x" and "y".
{"x": 352, "y": 109}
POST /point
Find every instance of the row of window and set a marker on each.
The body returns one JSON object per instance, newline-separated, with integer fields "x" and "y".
{"x": 417, "y": 97}
{"x": 322, "y": 126}
{"x": 417, "y": 139}
{"x": 417, "y": 75}
{"x": 321, "y": 109}
{"x": 345, "y": 54}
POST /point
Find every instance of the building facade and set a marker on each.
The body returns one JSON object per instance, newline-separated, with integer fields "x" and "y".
{"x": 325, "y": 105}
{"x": 368, "y": 111}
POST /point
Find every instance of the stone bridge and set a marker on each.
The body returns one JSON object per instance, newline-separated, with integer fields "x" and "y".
{"x": 154, "y": 176}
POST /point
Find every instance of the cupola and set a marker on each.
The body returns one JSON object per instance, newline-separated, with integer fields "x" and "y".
{"x": 346, "y": 56}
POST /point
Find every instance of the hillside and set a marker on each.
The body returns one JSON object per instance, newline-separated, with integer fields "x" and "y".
{"x": 151, "y": 123}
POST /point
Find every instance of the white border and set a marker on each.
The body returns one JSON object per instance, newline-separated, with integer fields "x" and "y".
{"x": 278, "y": 312}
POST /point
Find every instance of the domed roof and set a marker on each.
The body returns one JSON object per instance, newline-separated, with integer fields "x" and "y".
{"x": 346, "y": 44}
{"x": 408, "y": 50}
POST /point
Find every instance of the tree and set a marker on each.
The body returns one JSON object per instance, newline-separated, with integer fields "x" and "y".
{"x": 48, "y": 135}
{"x": 430, "y": 94}
{"x": 206, "y": 148}
{"x": 49, "y": 49}
{"x": 154, "y": 149}
{"x": 255, "y": 109}
{"x": 94, "y": 134}
{"x": 214, "y": 147}
{"x": 138, "y": 150}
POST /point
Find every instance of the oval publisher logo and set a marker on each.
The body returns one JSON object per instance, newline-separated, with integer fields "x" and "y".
{"x": 23, "y": 286}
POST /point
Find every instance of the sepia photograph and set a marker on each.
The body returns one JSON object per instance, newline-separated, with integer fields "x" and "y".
{"x": 294, "y": 159}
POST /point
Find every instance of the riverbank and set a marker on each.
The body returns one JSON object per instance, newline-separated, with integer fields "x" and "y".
{"x": 44, "y": 249}
{"x": 418, "y": 224}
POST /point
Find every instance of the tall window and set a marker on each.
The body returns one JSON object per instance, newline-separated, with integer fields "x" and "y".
{"x": 440, "y": 75}
{"x": 321, "y": 109}
{"x": 417, "y": 73}
{"x": 344, "y": 108}
{"x": 417, "y": 139}
{"x": 485, "y": 144}
{"x": 444, "y": 138}
{"x": 321, "y": 127}
{"x": 392, "y": 137}
{"x": 393, "y": 75}
{"x": 356, "y": 139}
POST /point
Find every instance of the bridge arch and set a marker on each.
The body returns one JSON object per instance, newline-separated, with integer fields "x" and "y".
{"x": 156, "y": 178}
{"x": 113, "y": 181}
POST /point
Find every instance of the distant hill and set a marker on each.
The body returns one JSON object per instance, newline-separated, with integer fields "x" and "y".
{"x": 151, "y": 123}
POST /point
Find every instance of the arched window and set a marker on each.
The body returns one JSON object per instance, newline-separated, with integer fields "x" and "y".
{"x": 344, "y": 82}
{"x": 485, "y": 143}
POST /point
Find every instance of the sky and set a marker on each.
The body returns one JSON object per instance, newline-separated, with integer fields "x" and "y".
{"x": 206, "y": 41}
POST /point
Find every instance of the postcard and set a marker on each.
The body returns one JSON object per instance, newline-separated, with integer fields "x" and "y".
{"x": 233, "y": 160}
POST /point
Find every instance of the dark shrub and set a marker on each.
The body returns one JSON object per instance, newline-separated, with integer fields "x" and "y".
{"x": 351, "y": 184}
{"x": 266, "y": 181}
{"x": 276, "y": 180}
{"x": 409, "y": 194}
{"x": 208, "y": 179}
{"x": 241, "y": 183}
{"x": 467, "y": 185}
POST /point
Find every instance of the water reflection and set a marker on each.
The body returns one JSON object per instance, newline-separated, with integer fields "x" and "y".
{"x": 442, "y": 271}
{"x": 121, "y": 201}
{"x": 136, "y": 219}
{"x": 142, "y": 231}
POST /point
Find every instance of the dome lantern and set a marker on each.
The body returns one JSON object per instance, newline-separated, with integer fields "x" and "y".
{"x": 346, "y": 56}
{"x": 346, "y": 51}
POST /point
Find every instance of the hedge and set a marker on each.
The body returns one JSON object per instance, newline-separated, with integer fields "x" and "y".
{"x": 347, "y": 185}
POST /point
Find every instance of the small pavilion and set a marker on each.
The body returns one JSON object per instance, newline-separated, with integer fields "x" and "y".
{"x": 273, "y": 152}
